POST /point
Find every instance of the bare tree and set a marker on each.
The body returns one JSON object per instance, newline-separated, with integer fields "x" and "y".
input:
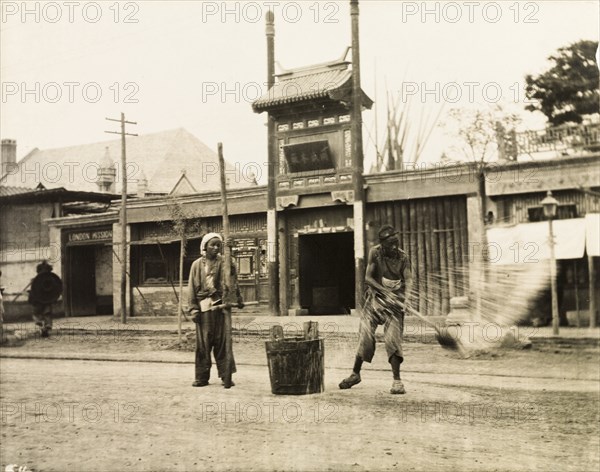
{"x": 407, "y": 134}
{"x": 182, "y": 223}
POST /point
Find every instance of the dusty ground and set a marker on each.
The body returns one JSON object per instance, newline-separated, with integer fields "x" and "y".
{"x": 519, "y": 410}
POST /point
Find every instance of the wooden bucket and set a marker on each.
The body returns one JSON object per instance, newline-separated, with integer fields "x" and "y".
{"x": 296, "y": 365}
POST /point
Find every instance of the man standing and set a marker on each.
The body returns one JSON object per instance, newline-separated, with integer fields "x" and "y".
{"x": 1, "y": 310}
{"x": 46, "y": 288}
{"x": 389, "y": 283}
{"x": 205, "y": 292}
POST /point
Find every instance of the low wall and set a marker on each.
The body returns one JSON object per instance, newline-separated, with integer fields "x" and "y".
{"x": 157, "y": 301}
{"x": 23, "y": 311}
{"x": 161, "y": 301}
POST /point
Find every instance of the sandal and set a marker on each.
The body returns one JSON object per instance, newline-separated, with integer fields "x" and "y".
{"x": 397, "y": 387}
{"x": 350, "y": 381}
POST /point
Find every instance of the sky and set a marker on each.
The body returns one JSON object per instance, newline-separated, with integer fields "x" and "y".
{"x": 66, "y": 66}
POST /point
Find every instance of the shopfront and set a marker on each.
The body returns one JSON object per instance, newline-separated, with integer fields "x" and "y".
{"x": 89, "y": 271}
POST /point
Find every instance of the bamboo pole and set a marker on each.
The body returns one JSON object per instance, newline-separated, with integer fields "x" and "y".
{"x": 435, "y": 254}
{"x": 20, "y": 293}
{"x": 162, "y": 256}
{"x": 451, "y": 265}
{"x": 575, "y": 279}
{"x": 180, "y": 301}
{"x": 462, "y": 261}
{"x": 397, "y": 217}
{"x": 442, "y": 245}
{"x": 136, "y": 287}
{"x": 226, "y": 273}
{"x": 405, "y": 229}
{"x": 389, "y": 214}
{"x": 592, "y": 289}
{"x": 429, "y": 257}
{"x": 418, "y": 229}
{"x": 414, "y": 245}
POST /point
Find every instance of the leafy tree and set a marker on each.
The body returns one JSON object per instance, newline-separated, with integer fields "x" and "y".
{"x": 481, "y": 135}
{"x": 569, "y": 89}
{"x": 478, "y": 131}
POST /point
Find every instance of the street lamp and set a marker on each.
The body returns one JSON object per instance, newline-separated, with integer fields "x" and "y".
{"x": 550, "y": 205}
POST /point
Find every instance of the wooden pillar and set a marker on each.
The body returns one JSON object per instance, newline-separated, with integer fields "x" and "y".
{"x": 592, "y": 281}
{"x": 273, "y": 165}
{"x": 284, "y": 284}
{"x": 295, "y": 253}
{"x": 576, "y": 280}
{"x": 554, "y": 294}
{"x": 65, "y": 272}
{"x": 357, "y": 160}
{"x": 477, "y": 244}
{"x": 118, "y": 269}
{"x": 272, "y": 249}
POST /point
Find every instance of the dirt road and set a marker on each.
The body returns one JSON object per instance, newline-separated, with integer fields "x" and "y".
{"x": 83, "y": 415}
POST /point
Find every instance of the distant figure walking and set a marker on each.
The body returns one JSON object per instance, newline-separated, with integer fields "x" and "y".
{"x": 1, "y": 305}
{"x": 46, "y": 288}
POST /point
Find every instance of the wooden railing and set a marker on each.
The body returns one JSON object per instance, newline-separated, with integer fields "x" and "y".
{"x": 568, "y": 139}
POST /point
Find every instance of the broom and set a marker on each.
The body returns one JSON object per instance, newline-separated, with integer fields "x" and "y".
{"x": 444, "y": 338}
{"x": 227, "y": 293}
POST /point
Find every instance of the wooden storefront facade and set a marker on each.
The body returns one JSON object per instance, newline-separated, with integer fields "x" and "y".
{"x": 155, "y": 253}
{"x": 515, "y": 192}
{"x": 438, "y": 216}
{"x": 434, "y": 233}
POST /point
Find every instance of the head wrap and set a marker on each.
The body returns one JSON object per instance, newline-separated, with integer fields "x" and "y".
{"x": 386, "y": 232}
{"x": 43, "y": 267}
{"x": 206, "y": 239}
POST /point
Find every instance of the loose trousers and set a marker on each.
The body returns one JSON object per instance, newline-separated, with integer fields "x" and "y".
{"x": 393, "y": 328}
{"x": 42, "y": 315}
{"x": 210, "y": 337}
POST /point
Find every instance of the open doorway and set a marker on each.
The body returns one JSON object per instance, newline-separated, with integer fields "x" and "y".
{"x": 82, "y": 280}
{"x": 327, "y": 273}
{"x": 89, "y": 280}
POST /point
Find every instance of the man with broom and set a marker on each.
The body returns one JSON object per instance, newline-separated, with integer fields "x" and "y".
{"x": 206, "y": 306}
{"x": 389, "y": 282}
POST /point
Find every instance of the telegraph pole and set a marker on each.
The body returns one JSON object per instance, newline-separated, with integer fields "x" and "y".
{"x": 357, "y": 160}
{"x": 123, "y": 221}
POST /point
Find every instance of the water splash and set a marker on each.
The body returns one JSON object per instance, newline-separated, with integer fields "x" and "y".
{"x": 500, "y": 298}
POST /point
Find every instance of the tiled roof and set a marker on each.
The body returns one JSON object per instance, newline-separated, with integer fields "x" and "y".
{"x": 54, "y": 195}
{"x": 332, "y": 79}
{"x": 183, "y": 186}
{"x": 161, "y": 156}
{"x": 79, "y": 208}
{"x": 6, "y": 191}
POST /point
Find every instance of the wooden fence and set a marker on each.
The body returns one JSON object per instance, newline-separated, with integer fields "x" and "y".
{"x": 434, "y": 234}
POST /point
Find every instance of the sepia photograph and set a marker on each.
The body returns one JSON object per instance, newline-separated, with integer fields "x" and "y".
{"x": 312, "y": 235}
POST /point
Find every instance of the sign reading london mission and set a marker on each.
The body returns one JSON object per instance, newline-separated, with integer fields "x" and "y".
{"x": 91, "y": 236}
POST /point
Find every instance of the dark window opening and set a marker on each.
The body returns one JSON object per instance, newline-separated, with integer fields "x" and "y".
{"x": 563, "y": 212}
{"x": 160, "y": 264}
{"x": 154, "y": 272}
